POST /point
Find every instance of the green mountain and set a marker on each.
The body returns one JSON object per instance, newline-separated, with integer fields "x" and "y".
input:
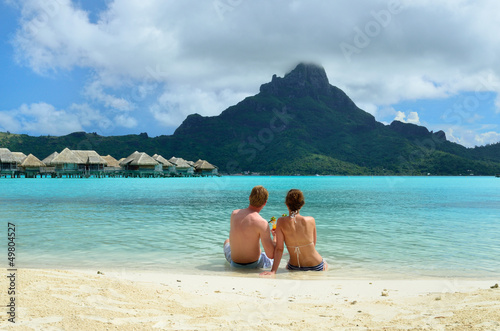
{"x": 297, "y": 124}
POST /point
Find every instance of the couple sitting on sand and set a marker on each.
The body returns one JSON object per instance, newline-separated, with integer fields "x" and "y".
{"x": 242, "y": 249}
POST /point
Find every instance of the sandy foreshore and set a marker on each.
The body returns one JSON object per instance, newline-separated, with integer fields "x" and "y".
{"x": 86, "y": 300}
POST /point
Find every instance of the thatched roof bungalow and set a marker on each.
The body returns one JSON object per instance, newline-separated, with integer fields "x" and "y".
{"x": 66, "y": 161}
{"x": 48, "y": 159}
{"x": 91, "y": 161}
{"x": 8, "y": 162}
{"x": 174, "y": 159}
{"x": 31, "y": 166}
{"x": 141, "y": 164}
{"x": 181, "y": 166}
{"x": 203, "y": 167}
{"x": 112, "y": 165}
{"x": 111, "y": 161}
{"x": 32, "y": 162}
{"x": 168, "y": 167}
{"x": 76, "y": 161}
{"x": 19, "y": 157}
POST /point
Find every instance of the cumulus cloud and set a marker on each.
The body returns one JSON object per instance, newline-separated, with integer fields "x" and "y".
{"x": 176, "y": 58}
{"x": 125, "y": 121}
{"x": 45, "y": 119}
{"x": 412, "y": 117}
{"x": 96, "y": 92}
{"x": 471, "y": 136}
{"x": 490, "y": 137}
{"x": 40, "y": 118}
{"x": 175, "y": 104}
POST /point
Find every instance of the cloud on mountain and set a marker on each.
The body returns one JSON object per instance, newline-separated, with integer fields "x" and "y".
{"x": 161, "y": 60}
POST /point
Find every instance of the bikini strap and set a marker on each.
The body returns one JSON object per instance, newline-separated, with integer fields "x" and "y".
{"x": 297, "y": 251}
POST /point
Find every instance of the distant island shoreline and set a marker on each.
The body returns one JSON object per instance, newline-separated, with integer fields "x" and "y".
{"x": 88, "y": 163}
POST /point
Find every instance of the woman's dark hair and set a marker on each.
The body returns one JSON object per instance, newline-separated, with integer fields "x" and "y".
{"x": 294, "y": 199}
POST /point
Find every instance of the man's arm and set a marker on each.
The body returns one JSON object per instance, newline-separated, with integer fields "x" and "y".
{"x": 278, "y": 253}
{"x": 265, "y": 238}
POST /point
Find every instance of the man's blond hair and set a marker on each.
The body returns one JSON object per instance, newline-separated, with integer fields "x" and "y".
{"x": 259, "y": 196}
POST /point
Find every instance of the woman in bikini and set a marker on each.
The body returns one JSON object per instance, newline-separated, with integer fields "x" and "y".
{"x": 299, "y": 234}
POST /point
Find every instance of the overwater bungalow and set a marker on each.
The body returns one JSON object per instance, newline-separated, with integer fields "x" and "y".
{"x": 31, "y": 166}
{"x": 92, "y": 163}
{"x": 181, "y": 166}
{"x": 169, "y": 168}
{"x": 48, "y": 159}
{"x": 204, "y": 168}
{"x": 16, "y": 164}
{"x": 8, "y": 163}
{"x": 49, "y": 169}
{"x": 111, "y": 163}
{"x": 113, "y": 167}
{"x": 19, "y": 157}
{"x": 85, "y": 163}
{"x": 77, "y": 163}
{"x": 141, "y": 165}
{"x": 66, "y": 163}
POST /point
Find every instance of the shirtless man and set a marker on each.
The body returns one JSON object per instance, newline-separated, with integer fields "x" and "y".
{"x": 247, "y": 227}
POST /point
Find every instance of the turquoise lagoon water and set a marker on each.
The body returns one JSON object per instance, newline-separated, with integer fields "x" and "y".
{"x": 367, "y": 226}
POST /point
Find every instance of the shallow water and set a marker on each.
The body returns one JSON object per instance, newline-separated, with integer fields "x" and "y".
{"x": 367, "y": 226}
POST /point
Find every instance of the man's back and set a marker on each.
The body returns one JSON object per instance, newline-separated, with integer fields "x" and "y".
{"x": 245, "y": 232}
{"x": 248, "y": 230}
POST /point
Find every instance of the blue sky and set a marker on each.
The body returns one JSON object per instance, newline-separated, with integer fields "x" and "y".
{"x": 124, "y": 67}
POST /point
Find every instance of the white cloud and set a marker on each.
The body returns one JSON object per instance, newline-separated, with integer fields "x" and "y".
{"x": 180, "y": 57}
{"x": 400, "y": 116}
{"x": 125, "y": 121}
{"x": 487, "y": 138}
{"x": 174, "y": 105}
{"x": 89, "y": 117}
{"x": 95, "y": 91}
{"x": 472, "y": 136}
{"x": 133, "y": 36}
{"x": 40, "y": 118}
{"x": 44, "y": 119}
{"x": 412, "y": 117}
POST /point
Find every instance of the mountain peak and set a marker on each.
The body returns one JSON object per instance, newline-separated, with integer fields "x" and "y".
{"x": 413, "y": 130}
{"x": 309, "y": 72}
{"x": 305, "y": 79}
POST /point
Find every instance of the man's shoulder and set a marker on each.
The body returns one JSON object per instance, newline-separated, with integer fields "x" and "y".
{"x": 257, "y": 219}
{"x": 237, "y": 211}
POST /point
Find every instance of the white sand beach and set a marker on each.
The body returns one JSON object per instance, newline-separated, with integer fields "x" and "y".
{"x": 86, "y": 300}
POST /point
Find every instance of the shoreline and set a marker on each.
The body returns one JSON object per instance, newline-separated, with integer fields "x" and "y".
{"x": 126, "y": 300}
{"x": 222, "y": 269}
